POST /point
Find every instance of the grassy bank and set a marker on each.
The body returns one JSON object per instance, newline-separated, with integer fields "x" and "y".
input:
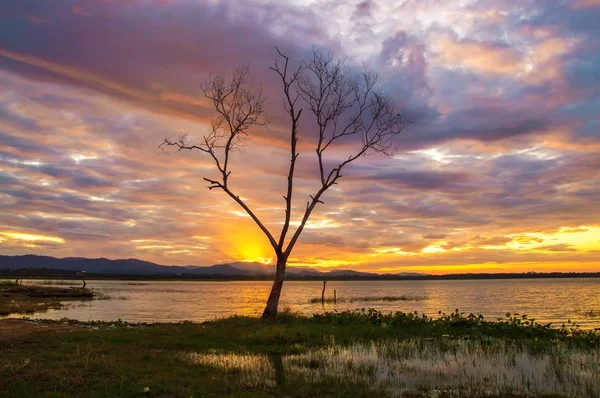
{"x": 27, "y": 299}
{"x": 337, "y": 354}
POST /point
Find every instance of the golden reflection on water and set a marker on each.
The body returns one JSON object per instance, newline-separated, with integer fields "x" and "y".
{"x": 546, "y": 300}
{"x": 251, "y": 299}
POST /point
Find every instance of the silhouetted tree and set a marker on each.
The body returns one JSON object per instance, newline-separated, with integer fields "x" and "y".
{"x": 344, "y": 106}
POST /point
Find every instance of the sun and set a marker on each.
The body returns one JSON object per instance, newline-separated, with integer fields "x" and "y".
{"x": 254, "y": 253}
{"x": 247, "y": 243}
{"x": 251, "y": 252}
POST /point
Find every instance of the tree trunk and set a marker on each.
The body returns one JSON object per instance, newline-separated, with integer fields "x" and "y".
{"x": 273, "y": 301}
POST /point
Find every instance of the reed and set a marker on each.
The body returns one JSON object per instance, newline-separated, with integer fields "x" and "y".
{"x": 367, "y": 299}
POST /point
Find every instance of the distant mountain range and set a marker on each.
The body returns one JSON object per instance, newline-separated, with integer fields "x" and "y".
{"x": 134, "y": 266}
{"x": 34, "y": 265}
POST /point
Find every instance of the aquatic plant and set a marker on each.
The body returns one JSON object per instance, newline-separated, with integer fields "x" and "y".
{"x": 511, "y": 324}
{"x": 60, "y": 283}
{"x": 367, "y": 299}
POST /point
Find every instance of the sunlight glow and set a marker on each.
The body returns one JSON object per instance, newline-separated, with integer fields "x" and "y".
{"x": 392, "y": 250}
{"x": 318, "y": 224}
{"x": 31, "y": 237}
{"x": 34, "y": 163}
{"x": 327, "y": 262}
{"x": 77, "y": 158}
{"x": 155, "y": 247}
{"x": 261, "y": 260}
{"x": 434, "y": 248}
{"x": 246, "y": 243}
{"x": 585, "y": 238}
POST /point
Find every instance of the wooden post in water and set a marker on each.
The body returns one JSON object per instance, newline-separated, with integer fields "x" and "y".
{"x": 82, "y": 274}
{"x": 334, "y": 296}
{"x": 323, "y": 293}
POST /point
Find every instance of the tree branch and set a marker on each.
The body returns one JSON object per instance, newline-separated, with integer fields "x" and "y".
{"x": 255, "y": 218}
{"x": 290, "y": 107}
{"x": 239, "y": 106}
{"x": 346, "y": 107}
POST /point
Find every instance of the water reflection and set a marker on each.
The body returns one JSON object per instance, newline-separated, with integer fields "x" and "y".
{"x": 546, "y": 300}
{"x": 419, "y": 367}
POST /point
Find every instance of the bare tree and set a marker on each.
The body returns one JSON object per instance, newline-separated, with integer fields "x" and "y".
{"x": 345, "y": 107}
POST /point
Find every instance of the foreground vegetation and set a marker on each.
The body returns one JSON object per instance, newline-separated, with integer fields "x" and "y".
{"x": 27, "y": 299}
{"x": 364, "y": 353}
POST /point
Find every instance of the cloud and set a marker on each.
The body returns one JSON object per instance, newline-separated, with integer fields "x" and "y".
{"x": 503, "y": 152}
{"x": 481, "y": 57}
{"x": 586, "y": 4}
{"x": 560, "y": 247}
{"x": 434, "y": 236}
{"x": 427, "y": 180}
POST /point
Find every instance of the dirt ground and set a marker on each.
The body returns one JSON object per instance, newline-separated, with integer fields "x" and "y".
{"x": 13, "y": 329}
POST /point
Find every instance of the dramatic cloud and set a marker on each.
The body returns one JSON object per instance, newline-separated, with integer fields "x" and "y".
{"x": 499, "y": 172}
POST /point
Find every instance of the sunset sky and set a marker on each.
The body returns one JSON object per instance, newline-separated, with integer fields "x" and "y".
{"x": 499, "y": 173}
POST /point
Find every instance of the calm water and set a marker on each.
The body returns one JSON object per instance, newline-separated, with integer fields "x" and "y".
{"x": 546, "y": 300}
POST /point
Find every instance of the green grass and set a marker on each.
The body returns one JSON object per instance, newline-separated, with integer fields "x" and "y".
{"x": 334, "y": 354}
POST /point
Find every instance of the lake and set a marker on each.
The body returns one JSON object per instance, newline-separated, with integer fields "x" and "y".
{"x": 546, "y": 300}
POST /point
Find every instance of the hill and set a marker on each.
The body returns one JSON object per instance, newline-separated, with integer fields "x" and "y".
{"x": 34, "y": 265}
{"x": 134, "y": 266}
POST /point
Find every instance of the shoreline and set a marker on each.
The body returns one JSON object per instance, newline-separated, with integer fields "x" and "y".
{"x": 269, "y": 278}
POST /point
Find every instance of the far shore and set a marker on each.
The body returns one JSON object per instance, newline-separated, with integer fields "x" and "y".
{"x": 227, "y": 278}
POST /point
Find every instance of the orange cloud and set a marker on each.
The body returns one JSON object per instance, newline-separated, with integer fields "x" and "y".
{"x": 585, "y": 3}
{"x": 27, "y": 237}
{"x": 545, "y": 63}
{"x": 479, "y": 56}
